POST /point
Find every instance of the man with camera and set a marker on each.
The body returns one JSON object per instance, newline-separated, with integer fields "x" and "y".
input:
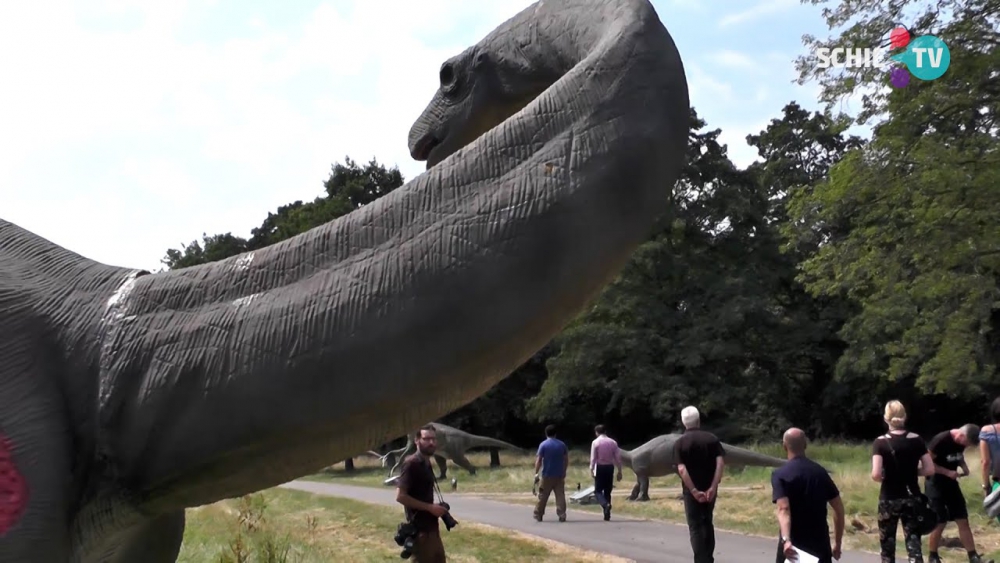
{"x": 415, "y": 489}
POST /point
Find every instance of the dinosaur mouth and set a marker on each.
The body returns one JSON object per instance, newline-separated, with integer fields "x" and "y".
{"x": 423, "y": 148}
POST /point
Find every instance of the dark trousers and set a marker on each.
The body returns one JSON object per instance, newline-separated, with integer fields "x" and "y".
{"x": 604, "y": 481}
{"x": 701, "y": 527}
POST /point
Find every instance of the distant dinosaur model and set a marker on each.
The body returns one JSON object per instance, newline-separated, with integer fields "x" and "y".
{"x": 452, "y": 444}
{"x": 655, "y": 458}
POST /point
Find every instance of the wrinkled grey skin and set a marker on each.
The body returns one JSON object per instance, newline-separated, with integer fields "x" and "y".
{"x": 452, "y": 444}
{"x": 131, "y": 396}
{"x": 655, "y": 458}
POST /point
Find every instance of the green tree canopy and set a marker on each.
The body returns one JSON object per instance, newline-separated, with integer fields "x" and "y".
{"x": 906, "y": 227}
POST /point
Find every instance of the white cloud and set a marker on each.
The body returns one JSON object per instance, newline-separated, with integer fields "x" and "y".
{"x": 736, "y": 60}
{"x": 761, "y": 9}
{"x": 702, "y": 86}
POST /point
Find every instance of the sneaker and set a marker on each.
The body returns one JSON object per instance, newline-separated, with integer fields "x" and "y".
{"x": 607, "y": 514}
{"x": 538, "y": 518}
{"x": 562, "y": 518}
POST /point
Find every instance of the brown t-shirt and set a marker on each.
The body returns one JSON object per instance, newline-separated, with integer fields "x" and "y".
{"x": 416, "y": 479}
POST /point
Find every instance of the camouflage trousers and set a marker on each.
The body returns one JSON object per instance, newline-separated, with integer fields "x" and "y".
{"x": 890, "y": 513}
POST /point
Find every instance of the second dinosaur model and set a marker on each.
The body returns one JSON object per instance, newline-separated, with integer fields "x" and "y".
{"x": 656, "y": 458}
{"x": 452, "y": 444}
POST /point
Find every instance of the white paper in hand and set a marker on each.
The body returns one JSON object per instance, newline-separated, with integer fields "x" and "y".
{"x": 804, "y": 557}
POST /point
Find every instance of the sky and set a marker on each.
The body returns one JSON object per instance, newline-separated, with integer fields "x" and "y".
{"x": 128, "y": 127}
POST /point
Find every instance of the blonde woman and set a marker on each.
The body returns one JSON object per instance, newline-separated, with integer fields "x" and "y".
{"x": 898, "y": 457}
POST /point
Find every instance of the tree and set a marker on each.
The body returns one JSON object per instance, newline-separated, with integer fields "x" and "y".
{"x": 906, "y": 227}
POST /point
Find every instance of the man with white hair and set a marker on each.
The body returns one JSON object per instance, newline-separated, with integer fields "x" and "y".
{"x": 700, "y": 459}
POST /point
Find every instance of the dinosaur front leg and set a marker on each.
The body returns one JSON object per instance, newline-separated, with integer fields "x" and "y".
{"x": 442, "y": 465}
{"x": 463, "y": 462}
{"x": 35, "y": 454}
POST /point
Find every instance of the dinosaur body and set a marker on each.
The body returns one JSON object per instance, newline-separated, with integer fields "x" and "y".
{"x": 452, "y": 444}
{"x": 656, "y": 458}
{"x": 127, "y": 397}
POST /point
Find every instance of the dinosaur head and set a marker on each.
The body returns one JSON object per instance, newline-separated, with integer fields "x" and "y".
{"x": 479, "y": 89}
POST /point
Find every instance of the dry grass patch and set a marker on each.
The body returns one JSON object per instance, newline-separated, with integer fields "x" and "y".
{"x": 282, "y": 526}
{"x": 744, "y": 504}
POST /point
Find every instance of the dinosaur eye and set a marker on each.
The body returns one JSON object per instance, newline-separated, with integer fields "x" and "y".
{"x": 447, "y": 75}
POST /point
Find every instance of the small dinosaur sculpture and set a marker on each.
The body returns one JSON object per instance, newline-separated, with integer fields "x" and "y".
{"x": 655, "y": 458}
{"x": 552, "y": 147}
{"x": 452, "y": 444}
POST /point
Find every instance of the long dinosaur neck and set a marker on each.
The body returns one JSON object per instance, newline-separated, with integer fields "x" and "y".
{"x": 241, "y": 374}
{"x": 487, "y": 442}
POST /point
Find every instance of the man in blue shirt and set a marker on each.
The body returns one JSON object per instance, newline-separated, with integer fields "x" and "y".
{"x": 552, "y": 460}
{"x": 801, "y": 490}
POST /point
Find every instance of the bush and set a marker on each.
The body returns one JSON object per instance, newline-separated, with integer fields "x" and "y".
{"x": 255, "y": 541}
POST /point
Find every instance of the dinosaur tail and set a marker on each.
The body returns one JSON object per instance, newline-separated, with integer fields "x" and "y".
{"x": 485, "y": 442}
{"x": 740, "y": 456}
{"x": 626, "y": 457}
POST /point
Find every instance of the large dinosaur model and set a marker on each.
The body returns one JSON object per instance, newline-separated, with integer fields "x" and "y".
{"x": 552, "y": 146}
{"x": 452, "y": 444}
{"x": 655, "y": 458}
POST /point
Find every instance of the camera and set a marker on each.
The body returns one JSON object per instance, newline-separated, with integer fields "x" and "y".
{"x": 449, "y": 521}
{"x": 405, "y": 533}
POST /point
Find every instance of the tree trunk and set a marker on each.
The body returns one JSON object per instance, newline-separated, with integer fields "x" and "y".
{"x": 494, "y": 457}
{"x": 349, "y": 464}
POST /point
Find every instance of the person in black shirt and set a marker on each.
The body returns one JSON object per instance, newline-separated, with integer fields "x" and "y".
{"x": 897, "y": 459}
{"x": 700, "y": 459}
{"x": 801, "y": 489}
{"x": 415, "y": 491}
{"x": 948, "y": 451}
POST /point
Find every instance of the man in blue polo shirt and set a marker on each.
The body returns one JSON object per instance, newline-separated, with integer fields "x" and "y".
{"x": 801, "y": 490}
{"x": 552, "y": 460}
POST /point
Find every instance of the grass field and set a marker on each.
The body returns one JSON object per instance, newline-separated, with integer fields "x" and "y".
{"x": 282, "y": 526}
{"x": 744, "y": 503}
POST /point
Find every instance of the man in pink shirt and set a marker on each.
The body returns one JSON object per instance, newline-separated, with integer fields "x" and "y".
{"x": 604, "y": 458}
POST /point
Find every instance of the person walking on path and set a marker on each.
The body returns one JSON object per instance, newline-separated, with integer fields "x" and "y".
{"x": 801, "y": 489}
{"x": 898, "y": 457}
{"x": 948, "y": 451}
{"x": 605, "y": 456}
{"x": 700, "y": 459}
{"x": 550, "y": 464}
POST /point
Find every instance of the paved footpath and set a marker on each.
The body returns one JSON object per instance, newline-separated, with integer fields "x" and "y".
{"x": 644, "y": 541}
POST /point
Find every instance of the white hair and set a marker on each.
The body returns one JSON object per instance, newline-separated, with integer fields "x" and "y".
{"x": 690, "y": 417}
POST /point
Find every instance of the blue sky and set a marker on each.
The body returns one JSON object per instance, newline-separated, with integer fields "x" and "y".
{"x": 129, "y": 127}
